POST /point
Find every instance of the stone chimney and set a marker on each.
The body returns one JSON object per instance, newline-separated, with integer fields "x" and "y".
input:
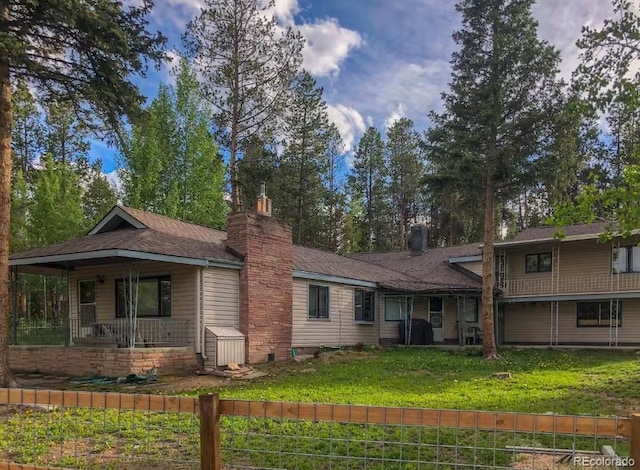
{"x": 266, "y": 280}
{"x": 419, "y": 239}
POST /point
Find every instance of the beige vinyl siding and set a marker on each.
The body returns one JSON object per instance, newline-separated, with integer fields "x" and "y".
{"x": 584, "y": 258}
{"x": 339, "y": 329}
{"x": 526, "y": 323}
{"x": 473, "y": 266}
{"x": 569, "y": 332}
{"x": 516, "y": 263}
{"x": 183, "y": 289}
{"x": 221, "y": 297}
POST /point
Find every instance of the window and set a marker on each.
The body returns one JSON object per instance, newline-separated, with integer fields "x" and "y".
{"x": 153, "y": 294}
{"x": 599, "y": 313}
{"x": 364, "y": 306}
{"x": 435, "y": 312}
{"x": 318, "y": 302}
{"x": 397, "y": 308}
{"x": 469, "y": 309}
{"x": 87, "y": 302}
{"x": 538, "y": 263}
{"x": 626, "y": 259}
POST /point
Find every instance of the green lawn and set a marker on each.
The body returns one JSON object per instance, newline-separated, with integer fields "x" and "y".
{"x": 594, "y": 382}
{"x": 585, "y": 382}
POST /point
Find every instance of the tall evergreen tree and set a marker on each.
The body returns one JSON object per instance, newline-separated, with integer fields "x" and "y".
{"x": 609, "y": 83}
{"x": 335, "y": 197}
{"x": 66, "y": 138}
{"x": 299, "y": 199}
{"x": 247, "y": 65}
{"x": 494, "y": 115}
{"x": 406, "y": 173}
{"x": 20, "y": 202}
{"x": 368, "y": 188}
{"x": 27, "y": 130}
{"x": 259, "y": 165}
{"x": 170, "y": 162}
{"x": 83, "y": 52}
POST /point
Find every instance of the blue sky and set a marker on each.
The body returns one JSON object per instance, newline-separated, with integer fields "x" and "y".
{"x": 377, "y": 59}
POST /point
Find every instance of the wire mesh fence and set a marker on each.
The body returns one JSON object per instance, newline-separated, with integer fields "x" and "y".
{"x": 38, "y": 332}
{"x": 304, "y": 436}
{"x": 56, "y": 429}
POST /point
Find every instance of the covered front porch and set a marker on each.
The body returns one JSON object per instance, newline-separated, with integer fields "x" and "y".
{"x": 116, "y": 315}
{"x": 450, "y": 318}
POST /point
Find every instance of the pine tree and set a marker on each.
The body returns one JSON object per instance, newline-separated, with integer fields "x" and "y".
{"x": 608, "y": 83}
{"x": 494, "y": 116}
{"x": 27, "y": 131}
{"x": 79, "y": 52}
{"x": 368, "y": 188}
{"x": 259, "y": 165}
{"x": 247, "y": 65}
{"x": 335, "y": 197}
{"x": 299, "y": 199}
{"x": 406, "y": 174}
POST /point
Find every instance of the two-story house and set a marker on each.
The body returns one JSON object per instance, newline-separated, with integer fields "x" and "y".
{"x": 574, "y": 291}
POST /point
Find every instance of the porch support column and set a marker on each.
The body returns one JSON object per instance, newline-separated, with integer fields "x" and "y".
{"x": 67, "y": 317}
{"x": 14, "y": 305}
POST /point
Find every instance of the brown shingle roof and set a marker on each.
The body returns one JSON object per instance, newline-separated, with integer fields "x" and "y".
{"x": 544, "y": 233}
{"x": 168, "y": 225}
{"x": 163, "y": 235}
{"x": 385, "y": 269}
{"x": 167, "y": 236}
{"x": 432, "y": 267}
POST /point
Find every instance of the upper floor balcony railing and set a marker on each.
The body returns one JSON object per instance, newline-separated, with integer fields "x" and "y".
{"x": 588, "y": 284}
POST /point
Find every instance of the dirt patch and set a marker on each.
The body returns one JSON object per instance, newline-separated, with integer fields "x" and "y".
{"x": 552, "y": 462}
{"x": 624, "y": 406}
{"x": 91, "y": 451}
{"x": 179, "y": 384}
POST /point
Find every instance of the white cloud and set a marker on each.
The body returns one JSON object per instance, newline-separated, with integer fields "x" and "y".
{"x": 114, "y": 178}
{"x": 417, "y": 86}
{"x": 561, "y": 23}
{"x": 349, "y": 123}
{"x": 169, "y": 66}
{"x": 395, "y": 115}
{"x": 328, "y": 45}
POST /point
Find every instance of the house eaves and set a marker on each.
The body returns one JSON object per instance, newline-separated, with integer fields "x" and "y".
{"x": 336, "y": 279}
{"x": 120, "y": 253}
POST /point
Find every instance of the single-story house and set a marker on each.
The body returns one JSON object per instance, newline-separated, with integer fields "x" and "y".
{"x": 146, "y": 290}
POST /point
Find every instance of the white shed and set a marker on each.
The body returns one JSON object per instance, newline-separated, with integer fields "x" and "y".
{"x": 224, "y": 345}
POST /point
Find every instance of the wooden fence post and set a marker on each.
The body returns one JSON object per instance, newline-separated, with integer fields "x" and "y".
{"x": 210, "y": 432}
{"x": 635, "y": 441}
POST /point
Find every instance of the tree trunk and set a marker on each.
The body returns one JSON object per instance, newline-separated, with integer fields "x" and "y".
{"x": 489, "y": 350}
{"x": 6, "y": 117}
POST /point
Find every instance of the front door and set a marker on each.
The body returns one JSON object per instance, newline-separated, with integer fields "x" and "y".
{"x": 436, "y": 318}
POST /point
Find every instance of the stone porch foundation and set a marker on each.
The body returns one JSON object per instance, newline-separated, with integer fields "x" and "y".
{"x": 112, "y": 362}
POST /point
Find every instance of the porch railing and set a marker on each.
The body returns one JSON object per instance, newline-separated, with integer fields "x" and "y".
{"x": 601, "y": 283}
{"x": 146, "y": 332}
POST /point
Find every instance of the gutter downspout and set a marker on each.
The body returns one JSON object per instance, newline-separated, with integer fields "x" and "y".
{"x": 198, "y": 347}
{"x": 203, "y": 349}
